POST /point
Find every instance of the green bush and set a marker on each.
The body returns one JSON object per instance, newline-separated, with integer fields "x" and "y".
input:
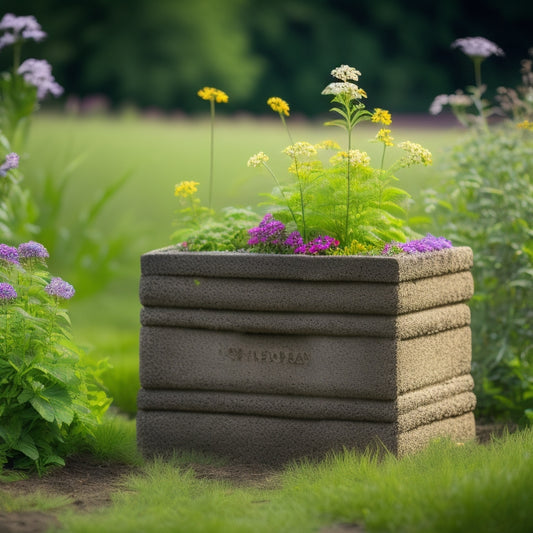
{"x": 486, "y": 202}
{"x": 50, "y": 398}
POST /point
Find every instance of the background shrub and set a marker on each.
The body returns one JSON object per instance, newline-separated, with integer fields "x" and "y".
{"x": 486, "y": 202}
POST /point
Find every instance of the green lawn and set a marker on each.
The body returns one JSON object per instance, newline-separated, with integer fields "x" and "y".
{"x": 160, "y": 153}
{"x": 446, "y": 488}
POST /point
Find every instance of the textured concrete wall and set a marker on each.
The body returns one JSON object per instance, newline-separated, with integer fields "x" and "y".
{"x": 269, "y": 357}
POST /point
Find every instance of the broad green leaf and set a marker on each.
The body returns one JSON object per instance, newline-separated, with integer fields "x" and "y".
{"x": 26, "y": 445}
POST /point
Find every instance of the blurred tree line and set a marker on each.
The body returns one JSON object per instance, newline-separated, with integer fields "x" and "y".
{"x": 158, "y": 53}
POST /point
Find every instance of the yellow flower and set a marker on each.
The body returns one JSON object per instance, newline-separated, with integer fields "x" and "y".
{"x": 185, "y": 189}
{"x": 384, "y": 136}
{"x": 416, "y": 154}
{"x": 382, "y": 116}
{"x": 327, "y": 145}
{"x": 278, "y": 105}
{"x": 257, "y": 159}
{"x": 210, "y": 93}
{"x": 525, "y": 125}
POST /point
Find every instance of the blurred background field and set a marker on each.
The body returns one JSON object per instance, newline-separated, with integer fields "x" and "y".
{"x": 160, "y": 153}
{"x": 131, "y": 72}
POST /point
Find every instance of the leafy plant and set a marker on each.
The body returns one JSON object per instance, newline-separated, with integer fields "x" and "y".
{"x": 346, "y": 199}
{"x": 49, "y": 395}
{"x": 485, "y": 201}
{"x": 201, "y": 229}
{"x": 36, "y": 214}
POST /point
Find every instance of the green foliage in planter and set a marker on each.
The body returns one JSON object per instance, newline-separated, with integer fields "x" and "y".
{"x": 202, "y": 229}
{"x": 50, "y": 397}
{"x": 486, "y": 202}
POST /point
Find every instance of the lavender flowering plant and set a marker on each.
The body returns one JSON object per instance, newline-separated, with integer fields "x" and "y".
{"x": 471, "y": 108}
{"x": 27, "y": 82}
{"x": 49, "y": 397}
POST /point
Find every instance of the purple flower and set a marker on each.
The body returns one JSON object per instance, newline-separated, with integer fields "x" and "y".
{"x": 477, "y": 47}
{"x": 32, "y": 250}
{"x": 294, "y": 240}
{"x": 7, "y": 292}
{"x": 18, "y": 28}
{"x": 38, "y": 72}
{"x": 429, "y": 243}
{"x": 9, "y": 254}
{"x": 318, "y": 245}
{"x": 269, "y": 231}
{"x": 11, "y": 161}
{"x": 60, "y": 289}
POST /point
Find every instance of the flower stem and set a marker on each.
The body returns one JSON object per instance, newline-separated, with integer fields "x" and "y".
{"x": 348, "y": 176}
{"x": 281, "y": 190}
{"x": 302, "y": 203}
{"x": 286, "y": 127}
{"x": 212, "y": 153}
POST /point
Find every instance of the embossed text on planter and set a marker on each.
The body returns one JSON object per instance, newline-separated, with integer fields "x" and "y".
{"x": 283, "y": 357}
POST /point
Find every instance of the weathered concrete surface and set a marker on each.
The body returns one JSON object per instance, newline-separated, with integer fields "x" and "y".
{"x": 278, "y": 440}
{"x": 272, "y": 357}
{"x": 338, "y": 367}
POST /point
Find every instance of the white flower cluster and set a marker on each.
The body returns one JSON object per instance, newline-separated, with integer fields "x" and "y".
{"x": 355, "y": 158}
{"x": 477, "y": 47}
{"x": 459, "y": 99}
{"x": 345, "y": 87}
{"x": 416, "y": 154}
{"x": 258, "y": 159}
{"x": 346, "y": 73}
{"x": 300, "y": 149}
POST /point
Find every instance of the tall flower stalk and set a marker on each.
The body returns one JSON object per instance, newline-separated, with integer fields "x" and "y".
{"x": 477, "y": 49}
{"x": 212, "y": 95}
{"x": 281, "y": 107}
{"x": 348, "y": 99}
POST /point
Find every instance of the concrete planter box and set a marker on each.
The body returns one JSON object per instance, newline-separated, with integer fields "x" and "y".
{"x": 273, "y": 357}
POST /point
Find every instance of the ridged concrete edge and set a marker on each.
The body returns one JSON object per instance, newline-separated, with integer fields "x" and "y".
{"x": 171, "y": 262}
{"x": 451, "y": 398}
{"x": 305, "y": 296}
{"x": 404, "y": 326}
{"x": 270, "y": 440}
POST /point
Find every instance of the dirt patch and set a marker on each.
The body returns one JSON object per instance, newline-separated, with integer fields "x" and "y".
{"x": 88, "y": 484}
{"x": 84, "y": 481}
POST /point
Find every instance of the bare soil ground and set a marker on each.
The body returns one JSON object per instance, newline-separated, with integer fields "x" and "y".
{"x": 88, "y": 484}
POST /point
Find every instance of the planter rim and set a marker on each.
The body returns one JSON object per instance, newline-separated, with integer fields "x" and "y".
{"x": 171, "y": 261}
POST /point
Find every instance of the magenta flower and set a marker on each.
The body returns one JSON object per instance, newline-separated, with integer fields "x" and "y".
{"x": 60, "y": 289}
{"x": 294, "y": 240}
{"x": 269, "y": 231}
{"x": 321, "y": 244}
